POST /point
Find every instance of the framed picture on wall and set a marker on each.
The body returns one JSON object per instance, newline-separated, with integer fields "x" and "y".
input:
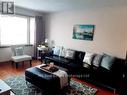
{"x": 83, "y": 32}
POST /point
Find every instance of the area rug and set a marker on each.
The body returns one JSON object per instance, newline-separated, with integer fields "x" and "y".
{"x": 19, "y": 87}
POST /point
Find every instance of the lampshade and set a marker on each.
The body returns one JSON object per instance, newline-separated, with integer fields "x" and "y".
{"x": 46, "y": 40}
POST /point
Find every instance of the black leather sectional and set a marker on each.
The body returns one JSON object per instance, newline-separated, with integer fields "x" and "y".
{"x": 111, "y": 79}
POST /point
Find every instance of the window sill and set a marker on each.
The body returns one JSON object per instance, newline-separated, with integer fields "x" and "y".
{"x": 4, "y": 46}
{"x": 27, "y": 45}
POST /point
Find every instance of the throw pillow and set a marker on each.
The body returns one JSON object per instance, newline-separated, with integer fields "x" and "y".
{"x": 107, "y": 61}
{"x": 88, "y": 57}
{"x": 56, "y": 50}
{"x": 19, "y": 51}
{"x": 70, "y": 54}
{"x": 86, "y": 65}
{"x": 97, "y": 60}
{"x": 62, "y": 52}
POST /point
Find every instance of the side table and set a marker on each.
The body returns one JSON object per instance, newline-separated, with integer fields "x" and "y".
{"x": 4, "y": 88}
{"x": 44, "y": 54}
{"x": 41, "y": 50}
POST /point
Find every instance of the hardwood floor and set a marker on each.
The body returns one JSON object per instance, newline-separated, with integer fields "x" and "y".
{"x": 6, "y": 70}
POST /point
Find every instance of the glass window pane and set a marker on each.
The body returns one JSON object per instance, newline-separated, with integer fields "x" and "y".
{"x": 13, "y": 30}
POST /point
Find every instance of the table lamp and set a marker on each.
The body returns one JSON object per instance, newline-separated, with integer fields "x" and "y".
{"x": 46, "y": 42}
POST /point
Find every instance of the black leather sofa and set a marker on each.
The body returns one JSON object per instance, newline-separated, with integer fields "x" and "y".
{"x": 71, "y": 64}
{"x": 111, "y": 79}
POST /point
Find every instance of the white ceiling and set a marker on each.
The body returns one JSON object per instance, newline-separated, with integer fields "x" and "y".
{"x": 66, "y": 5}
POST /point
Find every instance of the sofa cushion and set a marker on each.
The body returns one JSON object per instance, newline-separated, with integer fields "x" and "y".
{"x": 79, "y": 55}
{"x": 69, "y": 54}
{"x": 107, "y": 61}
{"x": 57, "y": 59}
{"x": 85, "y": 65}
{"x": 62, "y": 52}
{"x": 97, "y": 60}
{"x": 88, "y": 57}
{"x": 101, "y": 73}
{"x": 74, "y": 66}
{"x": 56, "y": 50}
{"x": 21, "y": 58}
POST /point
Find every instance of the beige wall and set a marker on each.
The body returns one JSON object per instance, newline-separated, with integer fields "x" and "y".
{"x": 110, "y": 33}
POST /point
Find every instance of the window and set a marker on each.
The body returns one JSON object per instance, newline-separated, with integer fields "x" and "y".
{"x": 16, "y": 30}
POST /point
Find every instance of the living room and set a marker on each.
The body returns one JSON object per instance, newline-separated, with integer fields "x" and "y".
{"x": 52, "y": 23}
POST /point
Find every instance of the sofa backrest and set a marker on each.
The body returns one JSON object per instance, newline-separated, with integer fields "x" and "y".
{"x": 78, "y": 57}
{"x": 118, "y": 65}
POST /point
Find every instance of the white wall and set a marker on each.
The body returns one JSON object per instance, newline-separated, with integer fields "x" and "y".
{"x": 110, "y": 34}
{"x": 5, "y": 54}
